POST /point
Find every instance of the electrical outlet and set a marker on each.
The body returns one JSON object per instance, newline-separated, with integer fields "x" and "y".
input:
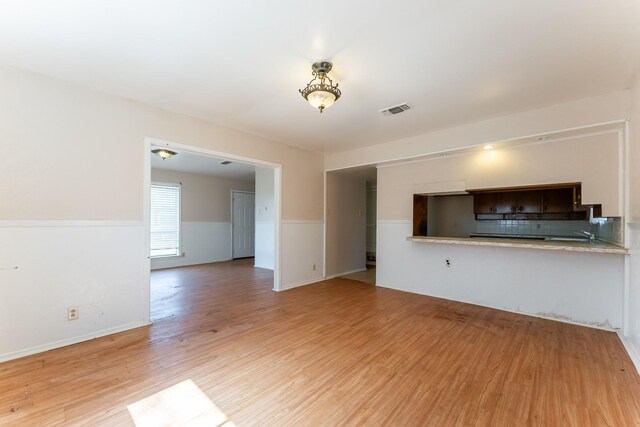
{"x": 447, "y": 262}
{"x": 72, "y": 313}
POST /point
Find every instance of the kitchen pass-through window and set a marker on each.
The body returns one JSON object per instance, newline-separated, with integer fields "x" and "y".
{"x": 165, "y": 219}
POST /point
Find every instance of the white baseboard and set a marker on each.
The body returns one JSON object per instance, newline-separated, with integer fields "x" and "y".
{"x": 191, "y": 264}
{"x": 344, "y": 273}
{"x": 320, "y": 279}
{"x": 540, "y": 316}
{"x": 303, "y": 283}
{"x": 70, "y": 341}
{"x": 631, "y": 351}
{"x": 266, "y": 267}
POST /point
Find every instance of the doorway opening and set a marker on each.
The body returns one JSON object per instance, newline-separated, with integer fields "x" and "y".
{"x": 350, "y": 224}
{"x": 203, "y": 207}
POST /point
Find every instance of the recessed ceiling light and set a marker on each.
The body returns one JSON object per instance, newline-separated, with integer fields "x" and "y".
{"x": 225, "y": 162}
{"x": 488, "y": 147}
{"x": 543, "y": 138}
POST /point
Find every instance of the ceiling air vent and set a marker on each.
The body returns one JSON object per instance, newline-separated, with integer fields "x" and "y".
{"x": 396, "y": 109}
{"x": 225, "y": 162}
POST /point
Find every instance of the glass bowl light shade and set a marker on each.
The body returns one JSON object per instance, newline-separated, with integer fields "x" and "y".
{"x": 318, "y": 93}
{"x": 321, "y": 99}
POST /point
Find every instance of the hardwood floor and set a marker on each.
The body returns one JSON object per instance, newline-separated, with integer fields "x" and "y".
{"x": 339, "y": 352}
{"x": 367, "y": 276}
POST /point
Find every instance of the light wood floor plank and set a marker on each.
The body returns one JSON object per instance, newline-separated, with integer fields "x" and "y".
{"x": 339, "y": 352}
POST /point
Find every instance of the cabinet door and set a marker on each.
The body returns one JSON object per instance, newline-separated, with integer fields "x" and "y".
{"x": 557, "y": 201}
{"x": 494, "y": 203}
{"x": 528, "y": 202}
{"x": 505, "y": 202}
{"x": 484, "y": 203}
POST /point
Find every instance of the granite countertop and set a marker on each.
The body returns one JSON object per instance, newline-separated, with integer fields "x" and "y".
{"x": 591, "y": 247}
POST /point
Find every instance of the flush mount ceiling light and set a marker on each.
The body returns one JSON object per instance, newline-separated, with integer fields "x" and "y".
{"x": 320, "y": 94}
{"x": 163, "y": 153}
{"x": 488, "y": 147}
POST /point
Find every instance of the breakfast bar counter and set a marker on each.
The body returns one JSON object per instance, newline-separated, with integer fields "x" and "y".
{"x": 591, "y": 247}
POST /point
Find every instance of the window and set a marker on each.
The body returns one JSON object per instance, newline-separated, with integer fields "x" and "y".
{"x": 165, "y": 220}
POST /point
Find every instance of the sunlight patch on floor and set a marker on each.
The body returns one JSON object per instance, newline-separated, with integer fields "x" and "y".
{"x": 183, "y": 404}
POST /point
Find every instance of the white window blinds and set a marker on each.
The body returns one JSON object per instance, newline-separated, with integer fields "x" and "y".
{"x": 165, "y": 219}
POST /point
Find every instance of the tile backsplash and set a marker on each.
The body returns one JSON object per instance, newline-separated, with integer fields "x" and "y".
{"x": 609, "y": 231}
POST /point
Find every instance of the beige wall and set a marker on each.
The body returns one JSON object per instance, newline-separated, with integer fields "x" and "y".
{"x": 204, "y": 198}
{"x": 593, "y": 160}
{"x": 569, "y": 115}
{"x": 346, "y": 223}
{"x": 74, "y": 153}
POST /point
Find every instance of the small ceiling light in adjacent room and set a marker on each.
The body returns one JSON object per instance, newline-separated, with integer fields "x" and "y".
{"x": 163, "y": 153}
{"x": 225, "y": 162}
{"x": 320, "y": 94}
{"x": 488, "y": 147}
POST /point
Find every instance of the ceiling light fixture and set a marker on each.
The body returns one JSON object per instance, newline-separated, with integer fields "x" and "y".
{"x": 163, "y": 153}
{"x": 320, "y": 94}
{"x": 488, "y": 147}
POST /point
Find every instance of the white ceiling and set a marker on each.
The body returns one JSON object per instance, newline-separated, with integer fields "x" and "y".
{"x": 241, "y": 63}
{"x": 195, "y": 163}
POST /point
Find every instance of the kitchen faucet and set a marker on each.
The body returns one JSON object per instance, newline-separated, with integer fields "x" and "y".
{"x": 591, "y": 236}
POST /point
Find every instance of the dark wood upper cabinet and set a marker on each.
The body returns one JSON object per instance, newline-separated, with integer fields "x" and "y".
{"x": 559, "y": 200}
{"x": 507, "y": 202}
{"x": 504, "y": 203}
{"x": 484, "y": 203}
{"x": 527, "y": 202}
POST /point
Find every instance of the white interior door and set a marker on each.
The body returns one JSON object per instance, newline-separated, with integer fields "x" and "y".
{"x": 244, "y": 233}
